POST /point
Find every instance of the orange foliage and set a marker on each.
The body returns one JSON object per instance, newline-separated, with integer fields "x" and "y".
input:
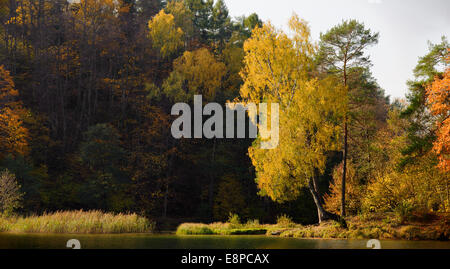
{"x": 13, "y": 135}
{"x": 438, "y": 98}
{"x": 8, "y": 94}
{"x": 354, "y": 191}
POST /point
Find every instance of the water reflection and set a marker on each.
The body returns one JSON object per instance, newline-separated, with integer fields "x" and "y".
{"x": 145, "y": 241}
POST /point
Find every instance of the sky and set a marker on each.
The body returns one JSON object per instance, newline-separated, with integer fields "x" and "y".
{"x": 405, "y": 27}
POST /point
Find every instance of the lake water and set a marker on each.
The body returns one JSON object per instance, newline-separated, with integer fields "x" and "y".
{"x": 147, "y": 241}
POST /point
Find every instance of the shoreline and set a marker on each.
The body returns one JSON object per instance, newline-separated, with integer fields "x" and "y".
{"x": 437, "y": 229}
{"x": 432, "y": 227}
{"x": 216, "y": 235}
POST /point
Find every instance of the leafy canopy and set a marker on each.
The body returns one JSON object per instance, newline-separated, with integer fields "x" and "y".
{"x": 276, "y": 70}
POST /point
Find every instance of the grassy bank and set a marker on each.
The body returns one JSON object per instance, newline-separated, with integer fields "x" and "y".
{"x": 77, "y": 222}
{"x": 217, "y": 228}
{"x": 386, "y": 226}
{"x": 233, "y": 227}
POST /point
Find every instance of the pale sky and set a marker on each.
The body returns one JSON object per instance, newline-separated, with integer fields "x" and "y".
{"x": 405, "y": 26}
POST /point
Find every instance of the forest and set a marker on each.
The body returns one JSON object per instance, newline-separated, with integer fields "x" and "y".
{"x": 87, "y": 87}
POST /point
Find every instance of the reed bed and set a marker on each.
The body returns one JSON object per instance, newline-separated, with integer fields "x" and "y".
{"x": 77, "y": 222}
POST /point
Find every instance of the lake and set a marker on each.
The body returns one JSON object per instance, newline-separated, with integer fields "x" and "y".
{"x": 165, "y": 241}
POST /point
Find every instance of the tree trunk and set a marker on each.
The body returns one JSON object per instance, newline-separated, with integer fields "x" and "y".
{"x": 321, "y": 212}
{"x": 344, "y": 170}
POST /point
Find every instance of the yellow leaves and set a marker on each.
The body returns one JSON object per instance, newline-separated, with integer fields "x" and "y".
{"x": 308, "y": 130}
{"x": 27, "y": 10}
{"x": 166, "y": 37}
{"x": 420, "y": 185}
{"x": 269, "y": 68}
{"x": 275, "y": 63}
{"x": 183, "y": 17}
{"x": 276, "y": 70}
{"x": 196, "y": 72}
{"x": 302, "y": 38}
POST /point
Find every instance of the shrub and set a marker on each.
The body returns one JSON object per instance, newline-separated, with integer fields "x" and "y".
{"x": 419, "y": 185}
{"x": 10, "y": 195}
{"x": 354, "y": 191}
{"x": 404, "y": 210}
{"x": 285, "y": 221}
{"x": 193, "y": 229}
{"x": 234, "y": 220}
{"x": 252, "y": 223}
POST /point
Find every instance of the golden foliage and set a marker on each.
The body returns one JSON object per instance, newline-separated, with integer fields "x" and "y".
{"x": 196, "y": 72}
{"x": 274, "y": 64}
{"x": 26, "y": 10}
{"x": 8, "y": 94}
{"x": 182, "y": 16}
{"x": 354, "y": 191}
{"x": 420, "y": 186}
{"x": 13, "y": 135}
{"x": 166, "y": 36}
{"x": 276, "y": 70}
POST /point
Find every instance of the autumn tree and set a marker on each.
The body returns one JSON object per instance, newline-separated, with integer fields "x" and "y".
{"x": 438, "y": 98}
{"x": 183, "y": 18}
{"x": 421, "y": 133}
{"x": 276, "y": 70}
{"x": 418, "y": 186}
{"x": 367, "y": 112}
{"x": 166, "y": 36}
{"x": 10, "y": 194}
{"x": 196, "y": 72}
{"x": 342, "y": 48}
{"x": 13, "y": 134}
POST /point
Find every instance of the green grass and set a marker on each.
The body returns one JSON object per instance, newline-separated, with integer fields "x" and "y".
{"x": 77, "y": 222}
{"x": 376, "y": 227}
{"x": 218, "y": 228}
{"x": 251, "y": 227}
{"x": 384, "y": 226}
